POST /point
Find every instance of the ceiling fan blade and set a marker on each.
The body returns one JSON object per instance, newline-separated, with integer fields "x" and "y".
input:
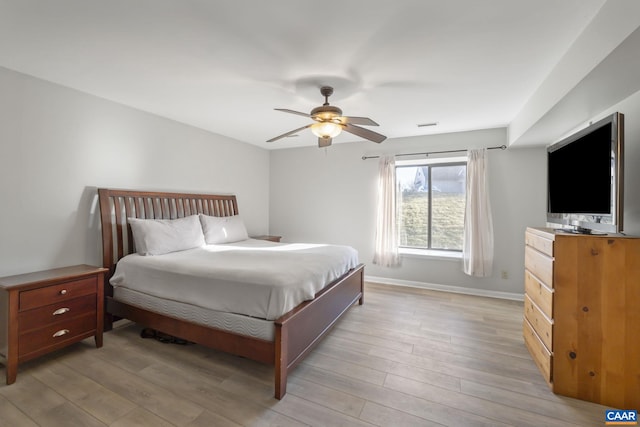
{"x": 364, "y": 121}
{"x": 285, "y": 110}
{"x": 364, "y": 133}
{"x": 288, "y": 133}
{"x": 324, "y": 142}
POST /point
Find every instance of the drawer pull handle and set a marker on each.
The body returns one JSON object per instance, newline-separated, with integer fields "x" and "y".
{"x": 63, "y": 292}
{"x": 60, "y": 333}
{"x": 61, "y": 311}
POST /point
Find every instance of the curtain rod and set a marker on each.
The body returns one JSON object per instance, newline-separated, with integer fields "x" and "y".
{"x": 501, "y": 147}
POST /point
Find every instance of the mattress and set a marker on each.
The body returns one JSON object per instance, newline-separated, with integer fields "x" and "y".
{"x": 236, "y": 323}
{"x": 256, "y": 278}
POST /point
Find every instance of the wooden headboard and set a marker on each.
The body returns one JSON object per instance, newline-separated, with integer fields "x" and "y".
{"x": 118, "y": 205}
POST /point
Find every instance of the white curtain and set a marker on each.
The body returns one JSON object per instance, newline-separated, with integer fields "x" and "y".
{"x": 386, "y": 249}
{"x": 477, "y": 249}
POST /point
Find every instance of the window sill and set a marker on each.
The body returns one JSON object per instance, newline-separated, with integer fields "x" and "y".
{"x": 431, "y": 254}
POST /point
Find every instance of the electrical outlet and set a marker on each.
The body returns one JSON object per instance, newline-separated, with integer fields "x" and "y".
{"x": 504, "y": 274}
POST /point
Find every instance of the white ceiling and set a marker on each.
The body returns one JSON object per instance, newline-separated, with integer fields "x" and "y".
{"x": 224, "y": 66}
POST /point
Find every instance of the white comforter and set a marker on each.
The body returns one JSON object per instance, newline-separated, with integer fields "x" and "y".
{"x": 253, "y": 277}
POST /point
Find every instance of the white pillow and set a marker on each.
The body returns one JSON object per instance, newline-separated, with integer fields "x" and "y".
{"x": 161, "y": 236}
{"x": 223, "y": 229}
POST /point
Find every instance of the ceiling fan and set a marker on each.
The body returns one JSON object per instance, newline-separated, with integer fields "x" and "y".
{"x": 329, "y": 122}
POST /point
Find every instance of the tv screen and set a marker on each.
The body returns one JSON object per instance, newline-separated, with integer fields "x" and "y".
{"x": 584, "y": 178}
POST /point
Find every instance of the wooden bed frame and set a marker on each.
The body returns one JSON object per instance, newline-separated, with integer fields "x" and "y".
{"x": 296, "y": 332}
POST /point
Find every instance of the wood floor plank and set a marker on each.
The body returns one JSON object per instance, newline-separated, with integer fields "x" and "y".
{"x": 209, "y": 419}
{"x": 370, "y": 325}
{"x": 407, "y": 357}
{"x": 250, "y": 405}
{"x": 141, "y": 417}
{"x": 418, "y": 407}
{"x": 516, "y": 354}
{"x": 67, "y": 415}
{"x": 313, "y": 414}
{"x": 387, "y": 366}
{"x": 162, "y": 402}
{"x": 443, "y": 364}
{"x": 96, "y": 400}
{"x": 328, "y": 397}
{"x": 31, "y": 396}
{"x": 346, "y": 368}
{"x": 478, "y": 359}
{"x": 496, "y": 346}
{"x": 567, "y": 409}
{"x": 481, "y": 407}
{"x": 11, "y": 416}
{"x": 445, "y": 375}
{"x": 373, "y": 339}
{"x": 338, "y": 408}
{"x": 383, "y": 416}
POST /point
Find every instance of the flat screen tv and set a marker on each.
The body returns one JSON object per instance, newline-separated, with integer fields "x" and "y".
{"x": 585, "y": 178}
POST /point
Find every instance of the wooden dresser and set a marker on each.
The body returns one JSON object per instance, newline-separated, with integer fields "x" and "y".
{"x": 47, "y": 310}
{"x": 582, "y": 314}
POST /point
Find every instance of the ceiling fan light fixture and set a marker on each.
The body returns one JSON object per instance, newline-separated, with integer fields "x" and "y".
{"x": 330, "y": 123}
{"x": 326, "y": 129}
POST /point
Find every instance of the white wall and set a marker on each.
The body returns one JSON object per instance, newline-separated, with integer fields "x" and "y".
{"x": 58, "y": 145}
{"x": 599, "y": 69}
{"x": 329, "y": 196}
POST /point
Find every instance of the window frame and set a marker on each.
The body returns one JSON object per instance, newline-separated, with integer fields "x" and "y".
{"x": 428, "y": 251}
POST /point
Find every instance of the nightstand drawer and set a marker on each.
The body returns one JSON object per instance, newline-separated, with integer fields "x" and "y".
{"x": 55, "y": 293}
{"x": 539, "y": 293}
{"x": 55, "y": 334}
{"x": 58, "y": 312}
{"x": 540, "y": 265}
{"x": 540, "y": 323}
{"x": 541, "y": 355}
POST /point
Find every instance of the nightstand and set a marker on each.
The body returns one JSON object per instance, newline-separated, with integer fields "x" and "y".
{"x": 47, "y": 310}
{"x": 267, "y": 237}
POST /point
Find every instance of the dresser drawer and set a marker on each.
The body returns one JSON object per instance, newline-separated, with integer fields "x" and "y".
{"x": 540, "y": 323}
{"x": 539, "y": 243}
{"x": 541, "y": 355}
{"x": 54, "y": 313}
{"x": 539, "y": 264}
{"x": 56, "y": 293}
{"x": 539, "y": 293}
{"x": 57, "y": 333}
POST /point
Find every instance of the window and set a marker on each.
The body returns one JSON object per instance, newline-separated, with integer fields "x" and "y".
{"x": 431, "y": 199}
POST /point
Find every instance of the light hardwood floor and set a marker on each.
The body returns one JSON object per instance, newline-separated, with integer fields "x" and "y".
{"x": 407, "y": 357}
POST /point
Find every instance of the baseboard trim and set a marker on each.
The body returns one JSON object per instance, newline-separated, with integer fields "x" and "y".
{"x": 445, "y": 288}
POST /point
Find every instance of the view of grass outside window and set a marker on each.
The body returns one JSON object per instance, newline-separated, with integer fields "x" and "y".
{"x": 431, "y": 200}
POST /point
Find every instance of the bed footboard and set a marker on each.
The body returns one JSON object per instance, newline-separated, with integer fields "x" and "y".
{"x": 298, "y": 331}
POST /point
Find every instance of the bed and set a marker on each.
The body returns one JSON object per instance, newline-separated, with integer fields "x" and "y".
{"x": 282, "y": 341}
